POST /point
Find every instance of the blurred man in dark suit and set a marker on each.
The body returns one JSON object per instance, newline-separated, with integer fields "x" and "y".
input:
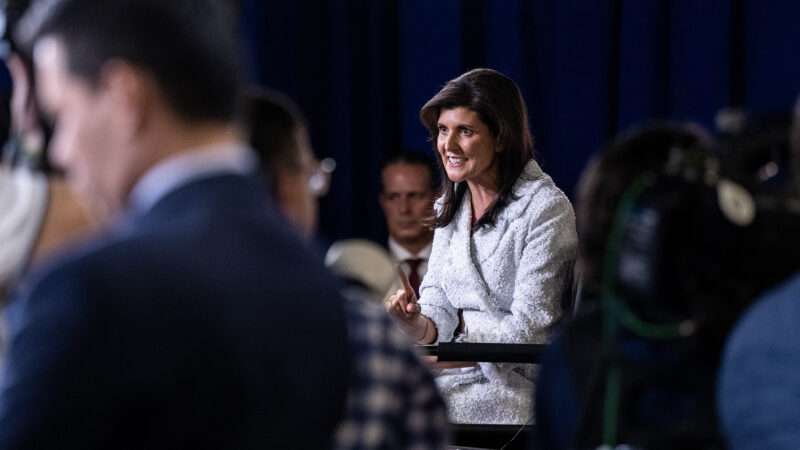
{"x": 180, "y": 328}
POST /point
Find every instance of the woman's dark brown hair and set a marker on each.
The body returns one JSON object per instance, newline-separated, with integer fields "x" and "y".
{"x": 499, "y": 104}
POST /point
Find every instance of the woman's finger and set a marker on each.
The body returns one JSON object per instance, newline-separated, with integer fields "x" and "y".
{"x": 393, "y": 298}
{"x": 403, "y": 303}
{"x": 400, "y": 303}
{"x": 407, "y": 289}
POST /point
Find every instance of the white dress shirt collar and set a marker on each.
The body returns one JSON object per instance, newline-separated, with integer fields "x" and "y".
{"x": 399, "y": 253}
{"x": 183, "y": 168}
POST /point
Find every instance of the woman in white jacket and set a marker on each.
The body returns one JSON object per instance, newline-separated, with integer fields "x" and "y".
{"x": 504, "y": 241}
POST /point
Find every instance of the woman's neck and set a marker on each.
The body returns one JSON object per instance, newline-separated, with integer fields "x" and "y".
{"x": 482, "y": 196}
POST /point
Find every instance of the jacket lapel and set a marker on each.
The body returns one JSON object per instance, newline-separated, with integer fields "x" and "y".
{"x": 469, "y": 278}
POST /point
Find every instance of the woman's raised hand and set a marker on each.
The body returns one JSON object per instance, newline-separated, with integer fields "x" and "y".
{"x": 403, "y": 306}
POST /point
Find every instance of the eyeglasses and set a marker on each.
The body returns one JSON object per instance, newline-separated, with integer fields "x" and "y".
{"x": 319, "y": 182}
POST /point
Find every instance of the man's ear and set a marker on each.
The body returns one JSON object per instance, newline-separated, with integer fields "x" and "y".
{"x": 129, "y": 91}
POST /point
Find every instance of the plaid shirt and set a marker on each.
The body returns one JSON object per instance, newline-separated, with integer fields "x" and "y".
{"x": 393, "y": 402}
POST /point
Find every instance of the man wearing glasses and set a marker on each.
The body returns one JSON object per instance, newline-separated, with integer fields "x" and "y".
{"x": 392, "y": 399}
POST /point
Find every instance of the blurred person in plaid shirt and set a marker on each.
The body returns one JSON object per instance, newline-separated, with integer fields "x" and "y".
{"x": 392, "y": 400}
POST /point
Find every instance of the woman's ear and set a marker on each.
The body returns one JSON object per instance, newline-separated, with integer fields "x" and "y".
{"x": 499, "y": 143}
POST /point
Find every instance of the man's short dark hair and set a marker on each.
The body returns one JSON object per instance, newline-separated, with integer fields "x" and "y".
{"x": 273, "y": 121}
{"x": 414, "y": 159}
{"x": 188, "y": 46}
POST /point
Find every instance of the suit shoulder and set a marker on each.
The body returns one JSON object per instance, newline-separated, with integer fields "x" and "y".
{"x": 772, "y": 320}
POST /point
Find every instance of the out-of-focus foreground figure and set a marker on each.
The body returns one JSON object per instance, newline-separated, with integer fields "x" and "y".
{"x": 169, "y": 330}
{"x": 40, "y": 214}
{"x": 392, "y": 401}
{"x": 758, "y": 381}
{"x": 675, "y": 243}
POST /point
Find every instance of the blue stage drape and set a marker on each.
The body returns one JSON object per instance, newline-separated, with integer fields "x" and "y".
{"x": 361, "y": 69}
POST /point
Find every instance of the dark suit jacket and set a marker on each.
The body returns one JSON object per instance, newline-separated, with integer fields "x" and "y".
{"x": 202, "y": 324}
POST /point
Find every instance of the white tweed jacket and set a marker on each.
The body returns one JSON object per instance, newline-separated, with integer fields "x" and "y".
{"x": 507, "y": 279}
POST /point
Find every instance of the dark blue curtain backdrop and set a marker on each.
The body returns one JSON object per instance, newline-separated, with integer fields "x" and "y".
{"x": 361, "y": 69}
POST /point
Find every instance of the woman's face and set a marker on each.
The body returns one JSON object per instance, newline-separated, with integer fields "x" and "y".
{"x": 467, "y": 147}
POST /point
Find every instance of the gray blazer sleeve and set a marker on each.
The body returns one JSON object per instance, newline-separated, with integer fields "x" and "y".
{"x": 548, "y": 248}
{"x": 433, "y": 300}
